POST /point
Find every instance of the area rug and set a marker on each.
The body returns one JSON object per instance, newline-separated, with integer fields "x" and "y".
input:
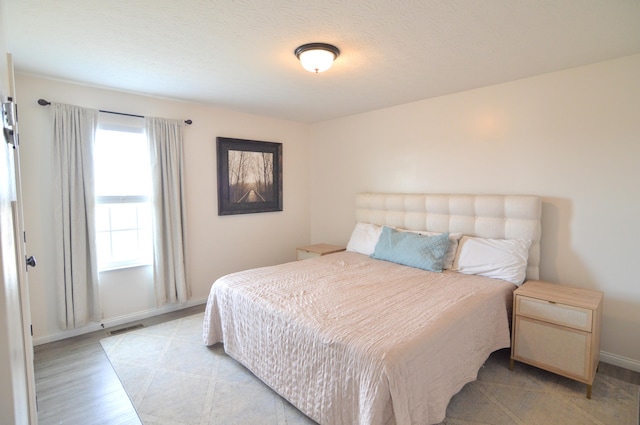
{"x": 173, "y": 379}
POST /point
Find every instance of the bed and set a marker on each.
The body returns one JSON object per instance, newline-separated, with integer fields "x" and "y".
{"x": 351, "y": 339}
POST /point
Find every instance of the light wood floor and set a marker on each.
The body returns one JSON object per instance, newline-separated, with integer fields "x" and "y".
{"x": 75, "y": 383}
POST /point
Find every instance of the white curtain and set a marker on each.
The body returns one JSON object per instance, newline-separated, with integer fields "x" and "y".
{"x": 169, "y": 224}
{"x": 74, "y": 212}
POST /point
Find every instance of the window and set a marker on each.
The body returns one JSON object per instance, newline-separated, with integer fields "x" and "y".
{"x": 123, "y": 194}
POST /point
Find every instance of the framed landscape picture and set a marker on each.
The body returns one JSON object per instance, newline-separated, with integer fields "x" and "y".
{"x": 249, "y": 176}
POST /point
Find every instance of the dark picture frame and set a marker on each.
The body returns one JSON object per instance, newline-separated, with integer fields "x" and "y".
{"x": 249, "y": 176}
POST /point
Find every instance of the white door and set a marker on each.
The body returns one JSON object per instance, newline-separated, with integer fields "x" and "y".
{"x": 17, "y": 384}
{"x": 23, "y": 261}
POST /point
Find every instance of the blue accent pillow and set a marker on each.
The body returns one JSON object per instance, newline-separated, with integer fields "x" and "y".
{"x": 411, "y": 249}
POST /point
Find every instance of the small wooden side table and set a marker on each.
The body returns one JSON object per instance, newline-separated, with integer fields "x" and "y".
{"x": 317, "y": 250}
{"x": 557, "y": 328}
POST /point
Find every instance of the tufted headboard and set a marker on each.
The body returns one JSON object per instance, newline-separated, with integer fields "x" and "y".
{"x": 485, "y": 216}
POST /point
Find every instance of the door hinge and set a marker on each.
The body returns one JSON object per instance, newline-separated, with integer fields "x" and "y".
{"x": 31, "y": 327}
{"x": 9, "y": 118}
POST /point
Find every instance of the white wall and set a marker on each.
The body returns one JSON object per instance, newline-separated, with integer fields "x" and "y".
{"x": 216, "y": 245}
{"x": 571, "y": 137}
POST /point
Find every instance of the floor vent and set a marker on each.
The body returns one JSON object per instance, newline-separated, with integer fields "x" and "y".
{"x": 123, "y": 330}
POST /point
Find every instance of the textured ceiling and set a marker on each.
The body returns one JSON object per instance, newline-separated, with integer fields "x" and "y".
{"x": 239, "y": 54}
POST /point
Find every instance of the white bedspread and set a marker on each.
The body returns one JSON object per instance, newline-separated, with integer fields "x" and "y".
{"x": 352, "y": 340}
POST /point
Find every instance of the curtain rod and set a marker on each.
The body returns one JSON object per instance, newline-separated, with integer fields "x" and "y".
{"x": 43, "y": 102}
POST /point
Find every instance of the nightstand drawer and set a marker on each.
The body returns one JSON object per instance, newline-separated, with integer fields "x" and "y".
{"x": 561, "y": 314}
{"x": 303, "y": 255}
{"x": 552, "y": 347}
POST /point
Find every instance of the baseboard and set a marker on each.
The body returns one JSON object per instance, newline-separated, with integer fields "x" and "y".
{"x": 620, "y": 361}
{"x": 117, "y": 321}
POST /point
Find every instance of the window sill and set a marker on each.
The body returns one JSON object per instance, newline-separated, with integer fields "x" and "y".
{"x": 123, "y": 266}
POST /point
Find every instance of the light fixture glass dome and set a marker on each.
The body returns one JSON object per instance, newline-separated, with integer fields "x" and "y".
{"x": 317, "y": 57}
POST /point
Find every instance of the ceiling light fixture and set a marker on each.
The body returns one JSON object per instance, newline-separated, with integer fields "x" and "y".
{"x": 317, "y": 57}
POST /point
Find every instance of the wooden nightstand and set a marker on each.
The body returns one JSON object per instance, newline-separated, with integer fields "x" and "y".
{"x": 557, "y": 328}
{"x": 317, "y": 250}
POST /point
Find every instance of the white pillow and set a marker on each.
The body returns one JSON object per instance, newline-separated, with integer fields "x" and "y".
{"x": 364, "y": 238}
{"x": 504, "y": 259}
{"x": 450, "y": 256}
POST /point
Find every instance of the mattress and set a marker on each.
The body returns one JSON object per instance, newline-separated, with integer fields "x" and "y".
{"x": 352, "y": 340}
